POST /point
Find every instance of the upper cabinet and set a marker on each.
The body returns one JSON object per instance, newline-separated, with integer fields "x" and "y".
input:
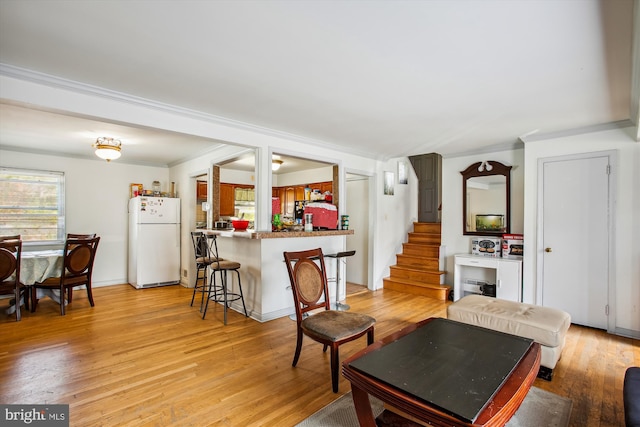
{"x": 201, "y": 190}
{"x": 486, "y": 199}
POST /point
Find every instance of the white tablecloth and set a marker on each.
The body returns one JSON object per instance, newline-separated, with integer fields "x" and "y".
{"x": 37, "y": 266}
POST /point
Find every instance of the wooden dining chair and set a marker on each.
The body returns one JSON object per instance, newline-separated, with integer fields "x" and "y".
{"x": 78, "y": 258}
{"x": 10, "y": 255}
{"x": 311, "y": 293}
{"x": 14, "y": 237}
{"x": 80, "y": 236}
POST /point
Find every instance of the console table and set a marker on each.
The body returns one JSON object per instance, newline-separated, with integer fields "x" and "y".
{"x": 505, "y": 273}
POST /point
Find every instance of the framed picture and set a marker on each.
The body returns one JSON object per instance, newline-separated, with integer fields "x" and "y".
{"x": 403, "y": 170}
{"x": 389, "y": 180}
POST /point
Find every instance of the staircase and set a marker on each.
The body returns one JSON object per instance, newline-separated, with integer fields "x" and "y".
{"x": 417, "y": 270}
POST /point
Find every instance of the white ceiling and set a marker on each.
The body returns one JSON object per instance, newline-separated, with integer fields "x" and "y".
{"x": 380, "y": 78}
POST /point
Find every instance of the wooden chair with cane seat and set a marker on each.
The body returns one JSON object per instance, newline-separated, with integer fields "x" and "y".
{"x": 10, "y": 254}
{"x": 329, "y": 327}
{"x": 77, "y": 270}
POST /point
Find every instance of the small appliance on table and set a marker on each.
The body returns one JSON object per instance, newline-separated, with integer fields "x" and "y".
{"x": 154, "y": 241}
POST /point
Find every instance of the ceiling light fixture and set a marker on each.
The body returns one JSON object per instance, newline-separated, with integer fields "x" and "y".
{"x": 275, "y": 164}
{"x": 107, "y": 148}
{"x": 485, "y": 165}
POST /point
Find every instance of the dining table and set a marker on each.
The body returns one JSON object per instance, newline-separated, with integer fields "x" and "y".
{"x": 37, "y": 266}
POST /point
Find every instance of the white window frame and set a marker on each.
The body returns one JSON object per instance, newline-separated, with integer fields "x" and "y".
{"x": 6, "y": 179}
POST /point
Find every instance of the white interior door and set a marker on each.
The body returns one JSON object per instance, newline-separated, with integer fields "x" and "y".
{"x": 575, "y": 237}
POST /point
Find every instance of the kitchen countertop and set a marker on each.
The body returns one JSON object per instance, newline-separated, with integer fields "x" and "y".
{"x": 256, "y": 235}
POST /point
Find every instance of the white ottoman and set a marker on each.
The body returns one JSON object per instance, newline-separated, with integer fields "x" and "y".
{"x": 544, "y": 325}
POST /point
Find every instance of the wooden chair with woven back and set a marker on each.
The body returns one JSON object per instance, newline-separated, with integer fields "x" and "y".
{"x": 10, "y": 254}
{"x": 78, "y": 258}
{"x": 80, "y": 236}
{"x": 329, "y": 327}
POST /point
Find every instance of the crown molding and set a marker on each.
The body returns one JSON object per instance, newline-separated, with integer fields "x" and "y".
{"x": 620, "y": 124}
{"x": 91, "y": 90}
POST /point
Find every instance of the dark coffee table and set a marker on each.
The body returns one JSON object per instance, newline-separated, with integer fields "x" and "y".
{"x": 445, "y": 373}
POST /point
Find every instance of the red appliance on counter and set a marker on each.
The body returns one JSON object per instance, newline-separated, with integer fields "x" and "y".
{"x": 325, "y": 215}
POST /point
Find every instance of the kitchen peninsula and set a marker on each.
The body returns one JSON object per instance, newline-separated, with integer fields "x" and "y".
{"x": 265, "y": 281}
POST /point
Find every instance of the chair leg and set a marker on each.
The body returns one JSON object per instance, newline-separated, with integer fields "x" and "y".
{"x": 69, "y": 294}
{"x": 324, "y": 348}
{"x": 212, "y": 284}
{"x": 241, "y": 295}
{"x": 335, "y": 367}
{"x": 370, "y": 336}
{"x": 34, "y": 298}
{"x": 224, "y": 290}
{"x": 17, "y": 296}
{"x": 296, "y": 356}
{"x": 62, "y": 300}
{"x": 26, "y": 293}
{"x": 89, "y": 295}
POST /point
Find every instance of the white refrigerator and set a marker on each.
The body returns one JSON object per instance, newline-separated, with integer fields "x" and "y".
{"x": 154, "y": 241}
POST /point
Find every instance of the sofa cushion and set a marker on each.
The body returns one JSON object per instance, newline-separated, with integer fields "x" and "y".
{"x": 545, "y": 325}
{"x": 631, "y": 395}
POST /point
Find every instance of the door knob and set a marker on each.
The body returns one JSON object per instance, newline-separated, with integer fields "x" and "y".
{"x": 547, "y": 249}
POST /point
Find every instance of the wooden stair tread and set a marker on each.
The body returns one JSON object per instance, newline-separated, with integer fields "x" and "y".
{"x": 416, "y": 283}
{"x": 417, "y": 268}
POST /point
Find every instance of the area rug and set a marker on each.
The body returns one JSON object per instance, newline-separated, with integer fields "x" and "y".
{"x": 540, "y": 408}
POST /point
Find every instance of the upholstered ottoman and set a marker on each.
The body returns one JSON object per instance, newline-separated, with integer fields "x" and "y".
{"x": 547, "y": 326}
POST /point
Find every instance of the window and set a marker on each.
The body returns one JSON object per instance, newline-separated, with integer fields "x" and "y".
{"x": 32, "y": 204}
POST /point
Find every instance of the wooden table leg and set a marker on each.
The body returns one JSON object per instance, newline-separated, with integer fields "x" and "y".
{"x": 363, "y": 407}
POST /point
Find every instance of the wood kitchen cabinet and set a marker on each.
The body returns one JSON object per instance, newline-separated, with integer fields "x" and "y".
{"x": 201, "y": 190}
{"x": 227, "y": 201}
{"x": 326, "y": 186}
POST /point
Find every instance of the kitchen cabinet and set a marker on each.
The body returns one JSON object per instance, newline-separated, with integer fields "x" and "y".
{"x": 289, "y": 201}
{"x": 326, "y": 186}
{"x": 471, "y": 271}
{"x": 201, "y": 190}
{"x": 227, "y": 202}
{"x": 299, "y": 192}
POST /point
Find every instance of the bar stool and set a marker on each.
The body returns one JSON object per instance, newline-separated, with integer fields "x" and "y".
{"x": 223, "y": 266}
{"x": 338, "y": 256}
{"x": 203, "y": 261}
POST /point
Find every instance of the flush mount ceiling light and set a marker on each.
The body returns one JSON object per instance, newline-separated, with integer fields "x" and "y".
{"x": 275, "y": 165}
{"x": 107, "y": 148}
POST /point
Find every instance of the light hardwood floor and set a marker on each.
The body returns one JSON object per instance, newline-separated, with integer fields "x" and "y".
{"x": 146, "y": 358}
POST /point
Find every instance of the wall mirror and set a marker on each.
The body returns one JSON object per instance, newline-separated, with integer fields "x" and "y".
{"x": 486, "y": 199}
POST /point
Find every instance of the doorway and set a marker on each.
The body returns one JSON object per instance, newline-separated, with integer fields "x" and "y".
{"x": 357, "y": 207}
{"x": 201, "y": 192}
{"x": 574, "y": 237}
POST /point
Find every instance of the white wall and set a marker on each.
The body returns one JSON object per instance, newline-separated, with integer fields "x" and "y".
{"x": 626, "y": 304}
{"x": 304, "y": 177}
{"x": 357, "y": 209}
{"x": 393, "y": 218}
{"x": 96, "y": 201}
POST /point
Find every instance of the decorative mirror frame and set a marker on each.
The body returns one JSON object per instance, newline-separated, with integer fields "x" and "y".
{"x": 473, "y": 171}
